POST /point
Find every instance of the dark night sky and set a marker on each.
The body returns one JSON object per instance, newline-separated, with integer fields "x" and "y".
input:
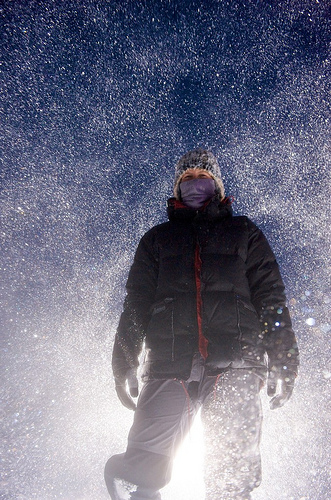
{"x": 98, "y": 101}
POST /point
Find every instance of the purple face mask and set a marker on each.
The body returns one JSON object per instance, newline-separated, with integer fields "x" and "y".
{"x": 196, "y": 192}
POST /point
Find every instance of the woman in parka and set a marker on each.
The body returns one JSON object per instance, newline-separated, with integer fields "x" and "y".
{"x": 206, "y": 301}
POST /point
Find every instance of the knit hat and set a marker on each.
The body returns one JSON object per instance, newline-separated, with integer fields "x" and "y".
{"x": 199, "y": 158}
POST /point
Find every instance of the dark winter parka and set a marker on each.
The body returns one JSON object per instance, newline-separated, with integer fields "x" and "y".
{"x": 206, "y": 282}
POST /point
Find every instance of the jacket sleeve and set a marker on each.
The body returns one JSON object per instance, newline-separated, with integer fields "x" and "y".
{"x": 141, "y": 288}
{"x": 268, "y": 296}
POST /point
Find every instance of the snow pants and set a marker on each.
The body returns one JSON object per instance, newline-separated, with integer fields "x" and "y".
{"x": 232, "y": 419}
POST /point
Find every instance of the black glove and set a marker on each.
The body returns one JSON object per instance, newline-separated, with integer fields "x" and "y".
{"x": 122, "y": 385}
{"x": 280, "y": 385}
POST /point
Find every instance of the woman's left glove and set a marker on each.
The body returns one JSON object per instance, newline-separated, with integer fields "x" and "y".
{"x": 123, "y": 385}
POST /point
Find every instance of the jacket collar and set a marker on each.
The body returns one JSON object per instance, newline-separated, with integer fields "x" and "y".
{"x": 212, "y": 210}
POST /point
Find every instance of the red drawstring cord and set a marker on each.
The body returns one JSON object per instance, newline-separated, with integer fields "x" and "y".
{"x": 188, "y": 403}
{"x": 187, "y": 397}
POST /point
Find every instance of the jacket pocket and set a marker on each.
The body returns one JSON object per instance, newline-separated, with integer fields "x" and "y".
{"x": 161, "y": 305}
{"x": 247, "y": 318}
{"x": 160, "y": 335}
{"x": 241, "y": 302}
{"x": 249, "y": 331}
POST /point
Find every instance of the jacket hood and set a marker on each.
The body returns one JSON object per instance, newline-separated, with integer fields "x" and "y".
{"x": 213, "y": 209}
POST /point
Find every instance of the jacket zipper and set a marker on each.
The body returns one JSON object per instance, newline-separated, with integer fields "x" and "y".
{"x": 238, "y": 318}
{"x": 173, "y": 333}
{"x": 203, "y": 342}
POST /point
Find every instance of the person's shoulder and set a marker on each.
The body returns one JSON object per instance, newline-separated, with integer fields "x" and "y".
{"x": 157, "y": 229}
{"x": 242, "y": 221}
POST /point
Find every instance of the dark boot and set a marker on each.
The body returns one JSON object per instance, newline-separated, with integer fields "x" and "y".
{"x": 145, "y": 494}
{"x": 118, "y": 475}
{"x": 117, "y": 488}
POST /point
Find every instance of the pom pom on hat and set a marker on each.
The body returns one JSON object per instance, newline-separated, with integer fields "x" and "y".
{"x": 202, "y": 159}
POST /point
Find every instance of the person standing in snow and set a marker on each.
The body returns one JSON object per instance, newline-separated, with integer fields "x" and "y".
{"x": 206, "y": 301}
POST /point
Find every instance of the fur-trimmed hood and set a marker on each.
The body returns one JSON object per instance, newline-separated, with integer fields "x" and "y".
{"x": 199, "y": 159}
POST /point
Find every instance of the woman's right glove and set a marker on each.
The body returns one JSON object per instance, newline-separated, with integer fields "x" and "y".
{"x": 280, "y": 385}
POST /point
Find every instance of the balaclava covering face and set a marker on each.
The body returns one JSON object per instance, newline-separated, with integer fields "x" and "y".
{"x": 195, "y": 192}
{"x": 202, "y": 159}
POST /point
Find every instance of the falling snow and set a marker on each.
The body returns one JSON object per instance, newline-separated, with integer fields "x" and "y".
{"x": 99, "y": 99}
